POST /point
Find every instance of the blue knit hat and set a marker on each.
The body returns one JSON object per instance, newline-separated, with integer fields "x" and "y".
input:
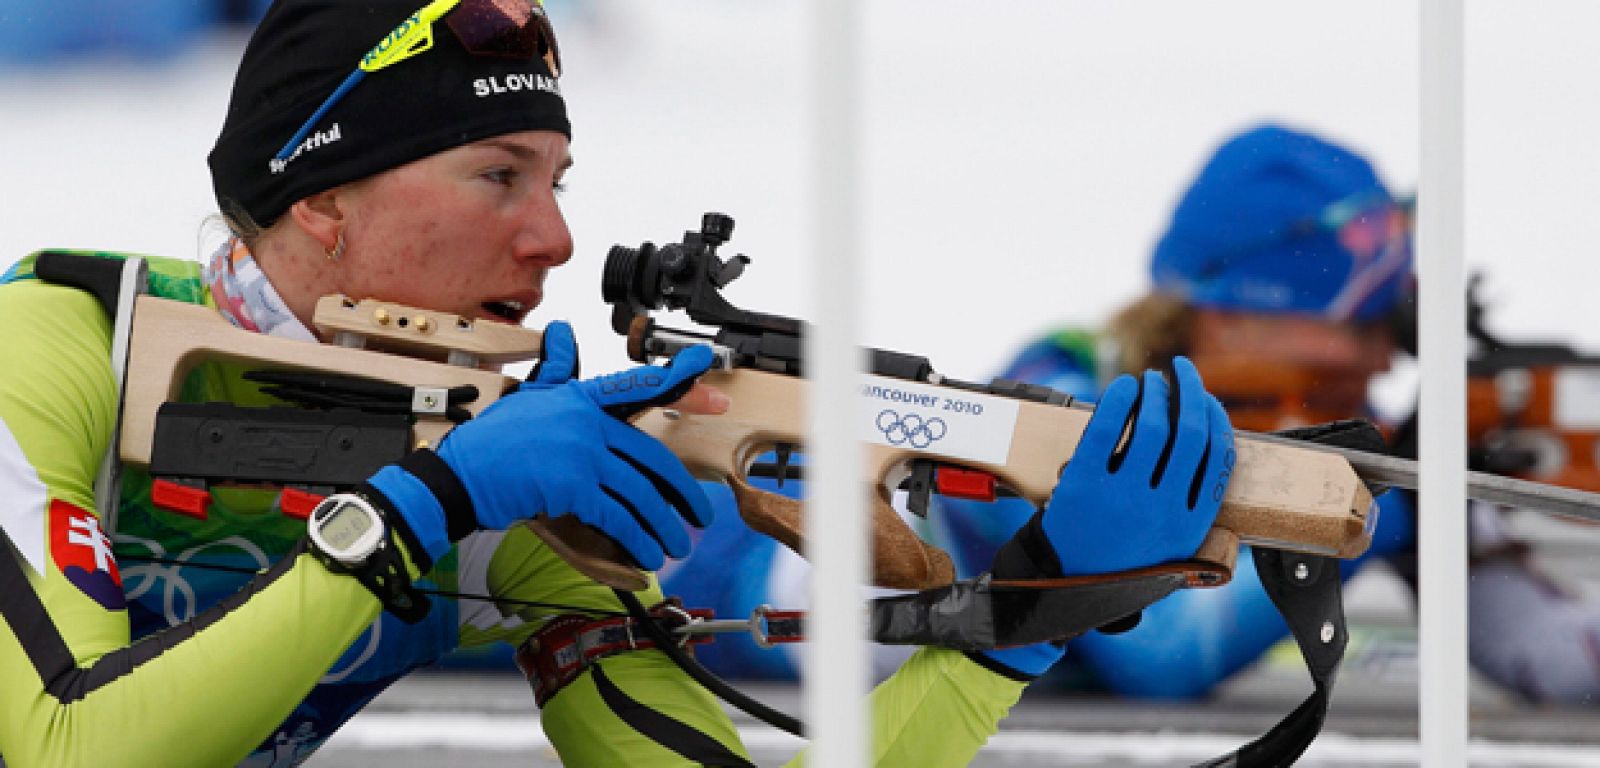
{"x": 1280, "y": 221}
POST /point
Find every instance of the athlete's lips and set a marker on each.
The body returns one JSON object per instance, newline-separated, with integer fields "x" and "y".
{"x": 511, "y": 308}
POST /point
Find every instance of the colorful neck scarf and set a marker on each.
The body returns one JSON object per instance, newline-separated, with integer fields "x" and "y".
{"x": 246, "y": 297}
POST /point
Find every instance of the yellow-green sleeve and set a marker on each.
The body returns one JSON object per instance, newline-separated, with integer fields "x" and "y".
{"x": 938, "y": 709}
{"x": 74, "y": 692}
{"x": 635, "y": 708}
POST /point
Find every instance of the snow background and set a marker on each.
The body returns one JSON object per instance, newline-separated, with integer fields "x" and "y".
{"x": 1020, "y": 158}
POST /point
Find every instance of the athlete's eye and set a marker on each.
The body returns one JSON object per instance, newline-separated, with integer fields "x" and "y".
{"x": 502, "y": 176}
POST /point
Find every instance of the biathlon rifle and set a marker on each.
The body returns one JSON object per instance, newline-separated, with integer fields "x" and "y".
{"x": 925, "y": 432}
{"x": 396, "y": 378}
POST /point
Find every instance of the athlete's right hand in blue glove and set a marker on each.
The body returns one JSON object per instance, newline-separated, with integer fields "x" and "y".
{"x": 1152, "y": 499}
{"x": 1123, "y": 505}
{"x": 560, "y": 446}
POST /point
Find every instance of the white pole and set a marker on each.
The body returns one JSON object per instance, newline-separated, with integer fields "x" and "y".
{"x": 1442, "y": 536}
{"x": 837, "y": 531}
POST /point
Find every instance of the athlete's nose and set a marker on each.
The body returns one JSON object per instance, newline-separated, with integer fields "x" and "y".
{"x": 545, "y": 237}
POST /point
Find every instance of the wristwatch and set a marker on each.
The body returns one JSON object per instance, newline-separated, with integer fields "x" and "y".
{"x": 350, "y": 534}
{"x": 346, "y": 528}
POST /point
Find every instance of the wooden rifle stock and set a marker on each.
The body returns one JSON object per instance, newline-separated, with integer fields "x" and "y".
{"x": 170, "y": 338}
{"x": 1280, "y": 496}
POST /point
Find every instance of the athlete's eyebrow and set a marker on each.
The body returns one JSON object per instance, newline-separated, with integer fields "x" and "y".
{"x": 523, "y": 152}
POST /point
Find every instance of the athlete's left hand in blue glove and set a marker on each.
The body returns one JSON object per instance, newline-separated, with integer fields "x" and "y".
{"x": 1124, "y": 505}
{"x": 561, "y": 446}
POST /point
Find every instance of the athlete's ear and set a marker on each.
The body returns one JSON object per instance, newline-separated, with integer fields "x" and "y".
{"x": 321, "y": 216}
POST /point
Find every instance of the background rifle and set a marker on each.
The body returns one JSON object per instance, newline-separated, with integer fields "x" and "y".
{"x": 1533, "y": 408}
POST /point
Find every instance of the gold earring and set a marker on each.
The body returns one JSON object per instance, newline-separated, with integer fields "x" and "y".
{"x": 337, "y": 251}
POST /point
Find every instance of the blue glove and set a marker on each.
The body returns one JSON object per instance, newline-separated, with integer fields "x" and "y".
{"x": 1153, "y": 500}
{"x": 1149, "y": 501}
{"x": 560, "y": 446}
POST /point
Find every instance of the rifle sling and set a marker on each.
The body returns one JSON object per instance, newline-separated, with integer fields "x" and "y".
{"x": 1305, "y": 588}
{"x": 985, "y": 612}
{"x": 976, "y": 614}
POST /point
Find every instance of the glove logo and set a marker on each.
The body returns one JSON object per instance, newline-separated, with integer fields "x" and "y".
{"x": 616, "y": 385}
{"x": 1220, "y": 489}
{"x": 910, "y": 429}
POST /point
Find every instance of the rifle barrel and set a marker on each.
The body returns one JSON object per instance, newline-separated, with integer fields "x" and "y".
{"x": 1496, "y": 489}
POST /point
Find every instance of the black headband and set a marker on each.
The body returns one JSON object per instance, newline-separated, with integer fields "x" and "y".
{"x": 436, "y": 100}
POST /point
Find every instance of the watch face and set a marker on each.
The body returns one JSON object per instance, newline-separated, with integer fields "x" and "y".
{"x": 344, "y": 526}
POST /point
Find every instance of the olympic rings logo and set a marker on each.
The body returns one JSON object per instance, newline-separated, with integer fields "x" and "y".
{"x": 180, "y": 599}
{"x": 910, "y": 429}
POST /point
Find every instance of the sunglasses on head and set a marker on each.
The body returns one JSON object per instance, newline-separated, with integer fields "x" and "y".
{"x": 1376, "y": 230}
{"x": 517, "y": 29}
{"x": 1364, "y": 224}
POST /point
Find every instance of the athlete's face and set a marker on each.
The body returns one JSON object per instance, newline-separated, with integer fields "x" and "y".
{"x": 472, "y": 230}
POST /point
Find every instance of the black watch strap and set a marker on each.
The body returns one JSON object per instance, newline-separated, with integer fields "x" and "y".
{"x": 384, "y": 571}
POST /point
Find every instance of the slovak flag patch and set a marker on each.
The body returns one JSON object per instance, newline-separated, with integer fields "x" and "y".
{"x": 83, "y": 553}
